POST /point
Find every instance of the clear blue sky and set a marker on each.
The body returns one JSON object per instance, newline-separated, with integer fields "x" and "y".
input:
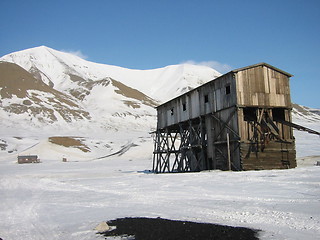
{"x": 149, "y": 34}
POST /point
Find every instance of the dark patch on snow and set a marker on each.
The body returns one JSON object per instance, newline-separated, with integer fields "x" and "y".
{"x": 164, "y": 229}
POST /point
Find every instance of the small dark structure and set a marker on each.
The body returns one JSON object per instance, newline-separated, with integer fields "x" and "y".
{"x": 28, "y": 159}
{"x": 238, "y": 121}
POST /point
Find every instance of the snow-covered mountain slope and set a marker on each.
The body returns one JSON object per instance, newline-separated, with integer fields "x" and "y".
{"x": 47, "y": 93}
{"x": 22, "y": 94}
{"x": 108, "y": 93}
{"x": 307, "y": 145}
{"x": 64, "y": 71}
{"x": 303, "y": 113}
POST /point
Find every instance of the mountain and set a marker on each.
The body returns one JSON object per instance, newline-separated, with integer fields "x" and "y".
{"x": 65, "y": 72}
{"x": 47, "y": 93}
{"x": 56, "y": 104}
{"x": 107, "y": 91}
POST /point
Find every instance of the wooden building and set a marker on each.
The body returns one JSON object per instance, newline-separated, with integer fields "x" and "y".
{"x": 28, "y": 159}
{"x": 238, "y": 121}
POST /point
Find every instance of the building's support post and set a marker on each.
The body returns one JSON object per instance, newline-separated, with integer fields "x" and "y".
{"x": 209, "y": 144}
{"x": 228, "y": 150}
{"x": 155, "y": 155}
{"x": 182, "y": 163}
{"x": 167, "y": 156}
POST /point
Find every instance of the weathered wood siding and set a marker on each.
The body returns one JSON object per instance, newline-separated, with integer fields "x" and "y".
{"x": 263, "y": 86}
{"x": 225, "y": 92}
{"x": 211, "y": 97}
{"x": 276, "y": 155}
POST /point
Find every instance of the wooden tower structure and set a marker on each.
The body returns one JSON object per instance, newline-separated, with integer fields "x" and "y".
{"x": 238, "y": 121}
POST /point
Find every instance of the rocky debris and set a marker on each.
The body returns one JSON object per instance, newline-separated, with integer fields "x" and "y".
{"x": 102, "y": 227}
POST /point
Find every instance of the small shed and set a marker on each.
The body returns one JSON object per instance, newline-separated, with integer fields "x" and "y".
{"x": 238, "y": 121}
{"x": 28, "y": 159}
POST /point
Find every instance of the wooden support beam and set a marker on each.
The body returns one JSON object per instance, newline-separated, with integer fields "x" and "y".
{"x": 228, "y": 150}
{"x": 225, "y": 124}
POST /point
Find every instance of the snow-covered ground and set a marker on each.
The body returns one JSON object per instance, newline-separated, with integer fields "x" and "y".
{"x": 67, "y": 200}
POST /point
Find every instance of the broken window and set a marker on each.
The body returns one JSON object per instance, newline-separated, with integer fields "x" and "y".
{"x": 250, "y": 114}
{"x": 184, "y": 106}
{"x": 228, "y": 89}
{"x": 278, "y": 114}
{"x": 206, "y": 98}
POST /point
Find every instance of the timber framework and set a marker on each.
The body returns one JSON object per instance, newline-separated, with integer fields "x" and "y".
{"x": 238, "y": 121}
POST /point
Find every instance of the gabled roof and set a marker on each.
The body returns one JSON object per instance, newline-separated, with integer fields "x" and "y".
{"x": 262, "y": 64}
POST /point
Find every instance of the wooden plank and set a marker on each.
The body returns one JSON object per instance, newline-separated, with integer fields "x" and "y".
{"x": 266, "y": 80}
{"x": 260, "y": 78}
{"x": 272, "y": 82}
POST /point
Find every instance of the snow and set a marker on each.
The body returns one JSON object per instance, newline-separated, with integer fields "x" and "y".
{"x": 57, "y": 200}
{"x": 307, "y": 145}
{"x": 67, "y": 200}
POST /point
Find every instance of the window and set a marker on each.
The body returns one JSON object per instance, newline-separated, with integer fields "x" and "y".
{"x": 206, "y": 98}
{"x": 228, "y": 89}
{"x": 278, "y": 114}
{"x": 184, "y": 106}
{"x": 250, "y": 114}
{"x": 171, "y": 111}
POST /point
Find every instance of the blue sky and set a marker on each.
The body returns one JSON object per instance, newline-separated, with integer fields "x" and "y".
{"x": 150, "y": 34}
